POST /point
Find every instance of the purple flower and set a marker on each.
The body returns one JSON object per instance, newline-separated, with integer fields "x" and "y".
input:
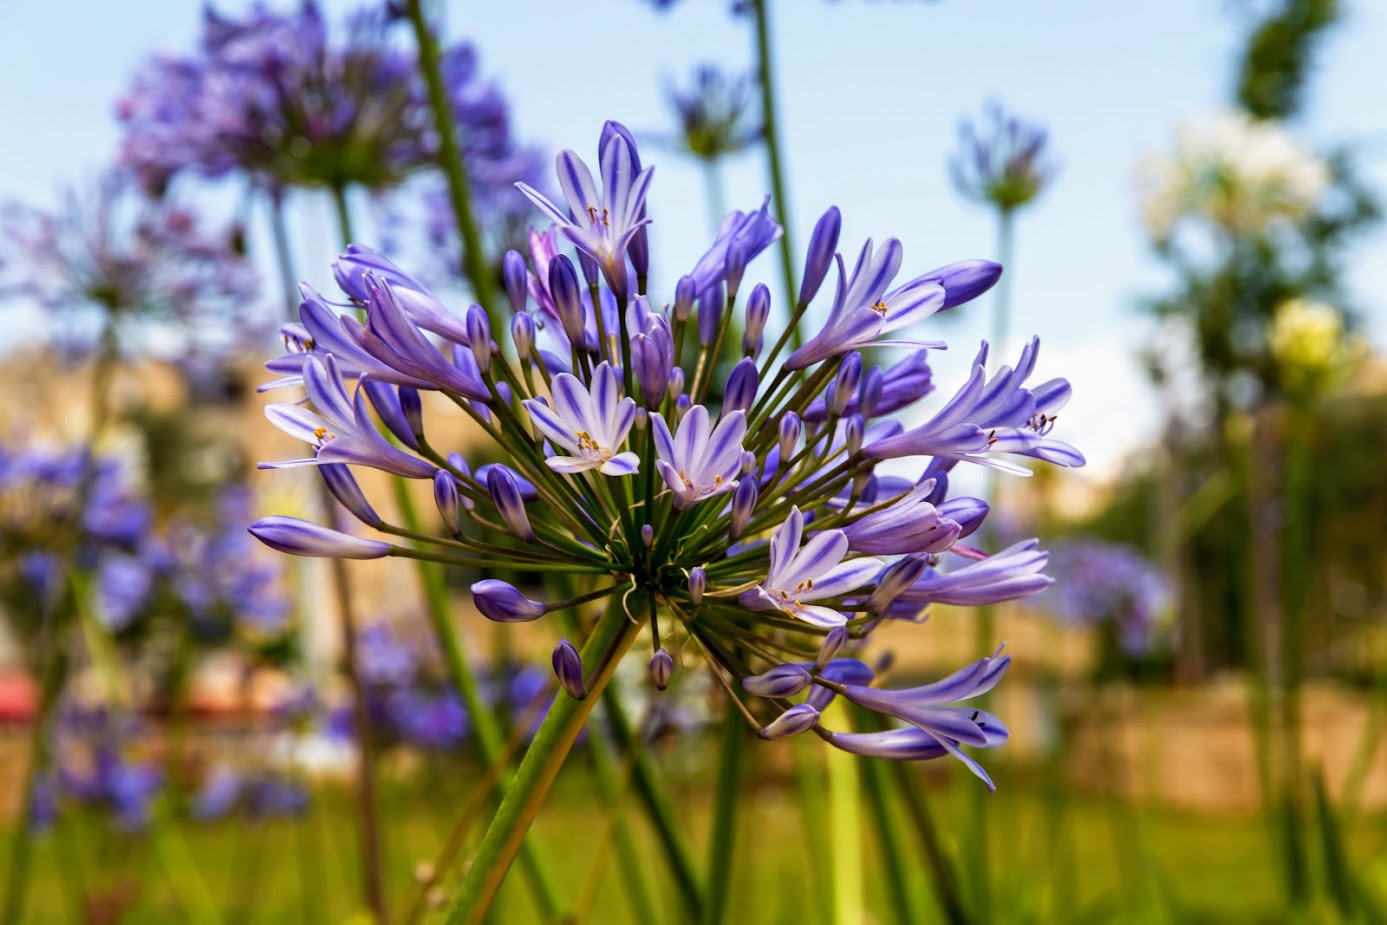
{"x": 1002, "y": 163}
{"x": 816, "y": 572}
{"x": 600, "y": 225}
{"x": 992, "y": 416}
{"x": 503, "y": 603}
{"x": 694, "y": 463}
{"x": 911, "y": 525}
{"x": 715, "y": 114}
{"x": 928, "y": 709}
{"x": 746, "y": 233}
{"x": 589, "y": 424}
{"x": 1005, "y": 576}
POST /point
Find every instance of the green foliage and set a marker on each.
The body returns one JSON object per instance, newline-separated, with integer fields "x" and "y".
{"x": 1277, "y": 60}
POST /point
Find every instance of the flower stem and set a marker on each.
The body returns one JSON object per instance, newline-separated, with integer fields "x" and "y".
{"x": 454, "y": 168}
{"x": 765, "y": 73}
{"x": 723, "y": 842}
{"x": 491, "y": 742}
{"x": 279, "y": 230}
{"x": 17, "y": 879}
{"x": 892, "y": 855}
{"x": 610, "y": 639}
{"x": 659, "y": 810}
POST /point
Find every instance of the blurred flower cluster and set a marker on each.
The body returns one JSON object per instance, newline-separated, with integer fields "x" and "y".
{"x": 1310, "y": 347}
{"x": 105, "y": 261}
{"x": 1002, "y": 160}
{"x": 1241, "y": 174}
{"x": 100, "y": 763}
{"x": 274, "y": 96}
{"x": 1104, "y": 584}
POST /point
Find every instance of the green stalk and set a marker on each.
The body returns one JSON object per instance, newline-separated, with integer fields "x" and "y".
{"x": 610, "y": 639}
{"x": 723, "y": 843}
{"x": 712, "y": 188}
{"x": 21, "y": 851}
{"x": 886, "y": 822}
{"x": 279, "y": 230}
{"x": 942, "y": 874}
{"x": 450, "y": 157}
{"x": 491, "y": 741}
{"x": 846, "y": 846}
{"x": 813, "y": 808}
{"x": 612, "y": 781}
{"x": 650, "y": 789}
{"x": 765, "y": 71}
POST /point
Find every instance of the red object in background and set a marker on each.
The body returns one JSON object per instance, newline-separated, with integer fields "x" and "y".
{"x": 19, "y": 698}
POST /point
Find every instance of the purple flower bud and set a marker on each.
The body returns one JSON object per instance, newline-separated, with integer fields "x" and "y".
{"x": 445, "y": 496}
{"x": 832, "y": 645}
{"x": 302, "y": 538}
{"x": 390, "y": 405}
{"x": 344, "y": 488}
{"x": 592, "y": 273}
{"x": 845, "y": 384}
{"x": 522, "y": 334}
{"x": 842, "y": 670}
{"x": 869, "y": 396}
{"x": 853, "y": 433}
{"x": 736, "y": 266}
{"x": 743, "y": 502}
{"x": 568, "y": 668}
{"x": 741, "y": 387}
{"x": 661, "y": 668}
{"x": 749, "y": 462}
{"x": 894, "y": 580}
{"x": 517, "y": 279}
{"x": 503, "y": 603}
{"x": 647, "y": 535}
{"x": 413, "y": 410}
{"x": 642, "y": 419}
{"x": 780, "y": 681}
{"x": 479, "y": 337}
{"x": 568, "y": 300}
{"x": 458, "y": 463}
{"x": 968, "y": 513}
{"x": 758, "y": 309}
{"x": 965, "y": 280}
{"x": 698, "y": 582}
{"x": 676, "y": 383}
{"x": 506, "y": 495}
{"x": 790, "y": 430}
{"x": 798, "y": 719}
{"x": 685, "y": 291}
{"x": 822, "y": 244}
{"x": 681, "y": 407}
{"x": 710, "y": 306}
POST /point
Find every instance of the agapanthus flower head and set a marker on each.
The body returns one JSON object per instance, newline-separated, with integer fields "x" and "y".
{"x": 1107, "y": 584}
{"x": 1002, "y": 160}
{"x": 98, "y": 763}
{"x": 1310, "y": 347}
{"x": 118, "y": 256}
{"x": 294, "y": 102}
{"x": 746, "y": 525}
{"x": 716, "y": 114}
{"x": 1239, "y": 174}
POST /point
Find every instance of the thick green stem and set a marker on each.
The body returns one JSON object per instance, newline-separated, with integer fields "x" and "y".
{"x": 765, "y": 69}
{"x": 722, "y": 844}
{"x": 893, "y": 855}
{"x": 612, "y": 780}
{"x": 942, "y": 872}
{"x": 454, "y": 168}
{"x": 809, "y": 782}
{"x": 610, "y": 639}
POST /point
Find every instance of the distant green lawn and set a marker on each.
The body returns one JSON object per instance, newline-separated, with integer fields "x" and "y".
{"x": 1103, "y": 863}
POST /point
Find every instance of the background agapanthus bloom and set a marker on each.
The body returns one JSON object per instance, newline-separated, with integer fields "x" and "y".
{"x": 733, "y": 531}
{"x": 117, "y": 256}
{"x": 274, "y": 94}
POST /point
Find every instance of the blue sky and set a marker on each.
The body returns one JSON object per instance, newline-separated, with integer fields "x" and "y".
{"x": 871, "y": 92}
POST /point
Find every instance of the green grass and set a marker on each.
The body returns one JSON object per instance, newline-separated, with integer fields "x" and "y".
{"x": 1099, "y": 862}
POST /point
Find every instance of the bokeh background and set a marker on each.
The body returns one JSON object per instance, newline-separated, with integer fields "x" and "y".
{"x": 1197, "y": 706}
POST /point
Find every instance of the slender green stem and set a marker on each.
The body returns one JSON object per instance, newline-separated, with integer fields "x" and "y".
{"x": 774, "y": 158}
{"x": 613, "y": 780}
{"x": 491, "y": 740}
{"x": 279, "y": 230}
{"x": 367, "y": 803}
{"x": 846, "y": 844}
{"x": 21, "y": 850}
{"x": 813, "y": 808}
{"x": 893, "y": 855}
{"x": 942, "y": 873}
{"x": 712, "y": 188}
{"x": 454, "y": 168}
{"x": 722, "y": 845}
{"x": 659, "y": 809}
{"x": 610, "y": 639}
